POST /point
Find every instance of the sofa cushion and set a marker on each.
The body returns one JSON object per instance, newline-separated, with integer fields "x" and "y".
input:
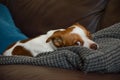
{"x": 35, "y": 17}
{"x": 111, "y": 15}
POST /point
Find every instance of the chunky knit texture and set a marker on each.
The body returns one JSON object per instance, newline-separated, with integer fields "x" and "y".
{"x": 106, "y": 59}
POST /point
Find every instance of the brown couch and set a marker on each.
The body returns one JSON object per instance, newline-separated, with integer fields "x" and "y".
{"x": 35, "y": 17}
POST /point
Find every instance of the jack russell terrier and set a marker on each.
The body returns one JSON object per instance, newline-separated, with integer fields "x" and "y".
{"x": 75, "y": 35}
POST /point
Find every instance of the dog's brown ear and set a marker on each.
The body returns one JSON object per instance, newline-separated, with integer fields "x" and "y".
{"x": 57, "y": 41}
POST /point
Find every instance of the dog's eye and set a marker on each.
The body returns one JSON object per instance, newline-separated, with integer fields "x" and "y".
{"x": 77, "y": 43}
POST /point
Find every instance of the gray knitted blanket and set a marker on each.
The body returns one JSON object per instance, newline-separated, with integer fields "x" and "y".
{"x": 106, "y": 59}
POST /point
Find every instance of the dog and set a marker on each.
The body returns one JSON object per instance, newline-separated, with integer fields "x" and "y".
{"x": 75, "y": 35}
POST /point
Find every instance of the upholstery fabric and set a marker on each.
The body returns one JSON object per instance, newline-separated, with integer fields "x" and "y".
{"x": 35, "y": 17}
{"x": 111, "y": 14}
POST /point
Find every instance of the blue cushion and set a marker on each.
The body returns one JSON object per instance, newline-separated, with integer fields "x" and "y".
{"x": 9, "y": 33}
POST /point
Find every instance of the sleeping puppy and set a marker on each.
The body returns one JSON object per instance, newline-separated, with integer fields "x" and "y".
{"x": 75, "y": 35}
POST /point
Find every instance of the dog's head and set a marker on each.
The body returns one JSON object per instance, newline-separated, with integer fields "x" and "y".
{"x": 75, "y": 35}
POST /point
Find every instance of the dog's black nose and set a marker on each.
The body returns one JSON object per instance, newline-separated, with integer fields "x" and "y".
{"x": 94, "y": 46}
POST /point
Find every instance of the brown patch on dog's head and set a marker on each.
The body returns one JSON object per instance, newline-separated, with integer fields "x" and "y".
{"x": 65, "y": 38}
{"x": 19, "y": 50}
